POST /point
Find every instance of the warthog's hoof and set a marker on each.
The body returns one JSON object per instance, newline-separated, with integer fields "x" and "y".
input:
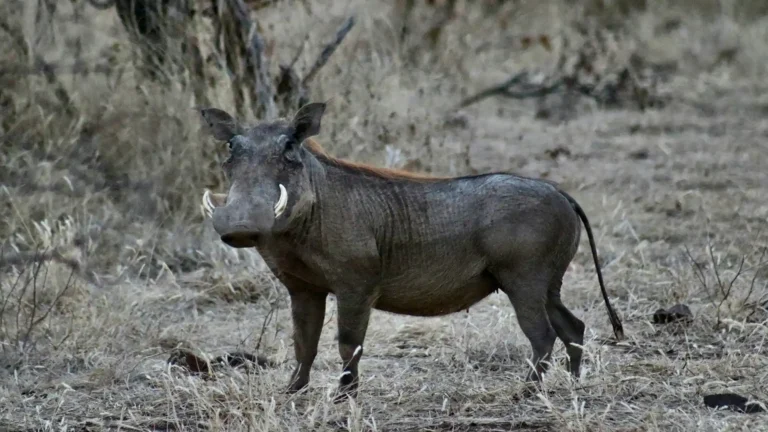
{"x": 296, "y": 386}
{"x": 534, "y": 377}
{"x": 342, "y": 394}
{"x": 347, "y": 388}
{"x": 530, "y": 389}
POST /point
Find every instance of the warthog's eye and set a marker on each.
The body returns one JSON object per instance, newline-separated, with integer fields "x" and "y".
{"x": 236, "y": 141}
{"x": 233, "y": 142}
{"x": 290, "y": 148}
{"x": 291, "y": 154}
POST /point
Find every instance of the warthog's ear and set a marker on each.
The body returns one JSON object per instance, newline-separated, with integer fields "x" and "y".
{"x": 306, "y": 122}
{"x": 220, "y": 123}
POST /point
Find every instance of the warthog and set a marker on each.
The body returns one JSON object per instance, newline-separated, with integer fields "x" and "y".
{"x": 394, "y": 241}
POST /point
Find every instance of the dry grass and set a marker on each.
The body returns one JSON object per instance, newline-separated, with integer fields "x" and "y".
{"x": 107, "y": 171}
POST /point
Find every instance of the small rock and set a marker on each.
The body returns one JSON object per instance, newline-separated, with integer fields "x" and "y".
{"x": 733, "y": 402}
{"x": 457, "y": 120}
{"x": 557, "y": 152}
{"x": 238, "y": 359}
{"x": 640, "y": 154}
{"x": 678, "y": 312}
{"x": 189, "y": 362}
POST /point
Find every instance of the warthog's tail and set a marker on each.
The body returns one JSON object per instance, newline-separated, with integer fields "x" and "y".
{"x": 618, "y": 329}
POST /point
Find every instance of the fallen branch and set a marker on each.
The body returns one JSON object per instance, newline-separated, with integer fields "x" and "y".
{"x": 498, "y": 89}
{"x": 607, "y": 95}
{"x": 608, "y": 83}
{"x": 532, "y": 90}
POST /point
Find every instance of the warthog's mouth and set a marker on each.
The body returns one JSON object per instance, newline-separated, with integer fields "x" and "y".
{"x": 241, "y": 239}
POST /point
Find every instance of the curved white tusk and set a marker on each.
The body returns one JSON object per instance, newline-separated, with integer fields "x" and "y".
{"x": 281, "y": 202}
{"x": 207, "y": 203}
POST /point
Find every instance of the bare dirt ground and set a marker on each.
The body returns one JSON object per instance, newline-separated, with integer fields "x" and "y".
{"x": 112, "y": 180}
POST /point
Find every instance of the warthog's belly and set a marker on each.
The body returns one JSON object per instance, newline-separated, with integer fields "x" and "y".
{"x": 438, "y": 295}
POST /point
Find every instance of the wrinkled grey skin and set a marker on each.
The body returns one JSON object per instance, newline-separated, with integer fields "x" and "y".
{"x": 406, "y": 246}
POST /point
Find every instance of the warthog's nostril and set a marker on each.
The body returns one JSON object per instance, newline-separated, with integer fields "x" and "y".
{"x": 241, "y": 239}
{"x": 240, "y": 234}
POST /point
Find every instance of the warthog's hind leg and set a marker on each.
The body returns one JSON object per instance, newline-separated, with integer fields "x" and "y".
{"x": 528, "y": 294}
{"x": 569, "y": 329}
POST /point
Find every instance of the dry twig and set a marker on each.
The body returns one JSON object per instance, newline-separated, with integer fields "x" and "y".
{"x": 529, "y": 90}
{"x": 329, "y": 49}
{"x": 723, "y": 290}
{"x": 292, "y": 91}
{"x": 29, "y": 313}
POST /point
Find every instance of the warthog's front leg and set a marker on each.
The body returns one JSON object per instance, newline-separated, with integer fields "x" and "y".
{"x": 354, "y": 311}
{"x": 308, "y": 311}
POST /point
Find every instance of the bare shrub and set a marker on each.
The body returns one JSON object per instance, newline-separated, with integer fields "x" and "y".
{"x": 29, "y": 295}
{"x": 732, "y": 296}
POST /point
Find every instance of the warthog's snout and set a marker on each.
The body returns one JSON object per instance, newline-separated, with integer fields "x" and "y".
{"x": 239, "y": 228}
{"x": 239, "y": 223}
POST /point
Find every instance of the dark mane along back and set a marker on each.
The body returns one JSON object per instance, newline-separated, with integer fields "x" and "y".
{"x": 387, "y": 173}
{"x": 396, "y": 174}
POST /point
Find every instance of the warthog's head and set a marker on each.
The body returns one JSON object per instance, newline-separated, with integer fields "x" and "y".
{"x": 269, "y": 184}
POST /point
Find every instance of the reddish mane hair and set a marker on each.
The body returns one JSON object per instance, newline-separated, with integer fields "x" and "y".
{"x": 387, "y": 173}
